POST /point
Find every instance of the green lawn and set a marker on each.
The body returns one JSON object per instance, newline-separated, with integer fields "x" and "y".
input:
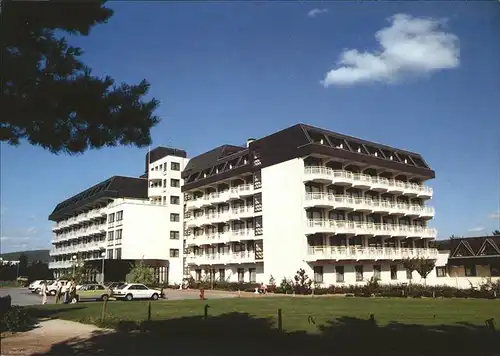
{"x": 313, "y": 326}
{"x": 296, "y": 311}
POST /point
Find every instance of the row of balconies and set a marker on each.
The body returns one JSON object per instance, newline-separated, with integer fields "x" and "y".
{"x": 239, "y": 192}
{"x": 80, "y": 233}
{"x": 222, "y": 237}
{"x": 76, "y": 220}
{"x": 222, "y": 258}
{"x": 214, "y": 218}
{"x": 330, "y": 226}
{"x": 346, "y": 202}
{"x": 67, "y": 263}
{"x": 91, "y": 246}
{"x": 328, "y": 175}
{"x": 317, "y": 253}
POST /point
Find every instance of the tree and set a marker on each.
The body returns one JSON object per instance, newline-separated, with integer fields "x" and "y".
{"x": 424, "y": 266}
{"x": 140, "y": 273}
{"x": 410, "y": 264}
{"x": 49, "y": 97}
{"x": 23, "y": 263}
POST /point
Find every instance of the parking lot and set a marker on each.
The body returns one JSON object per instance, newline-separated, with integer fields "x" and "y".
{"x": 22, "y": 296}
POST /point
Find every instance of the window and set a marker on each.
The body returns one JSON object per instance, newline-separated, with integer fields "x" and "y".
{"x": 174, "y": 199}
{"x": 241, "y": 275}
{"x": 318, "y": 274}
{"x": 359, "y": 273}
{"x": 174, "y": 235}
{"x": 441, "y": 271}
{"x": 119, "y": 215}
{"x": 110, "y": 254}
{"x": 253, "y": 275}
{"x": 140, "y": 287}
{"x": 409, "y": 274}
{"x": 175, "y": 183}
{"x": 174, "y": 217}
{"x": 174, "y": 252}
{"x": 470, "y": 271}
{"x": 339, "y": 272}
{"x": 118, "y": 254}
{"x": 394, "y": 272}
{"x": 118, "y": 236}
{"x": 111, "y": 218}
{"x": 377, "y": 269}
{"x": 175, "y": 166}
{"x": 99, "y": 287}
{"x": 111, "y": 235}
{"x": 222, "y": 275}
{"x": 197, "y": 275}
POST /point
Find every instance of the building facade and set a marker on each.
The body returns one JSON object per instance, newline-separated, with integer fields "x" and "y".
{"x": 125, "y": 219}
{"x": 343, "y": 209}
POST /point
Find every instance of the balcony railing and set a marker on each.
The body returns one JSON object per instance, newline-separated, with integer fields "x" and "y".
{"x": 363, "y": 228}
{"x": 367, "y": 204}
{"x": 212, "y": 218}
{"x": 87, "y": 216}
{"x": 327, "y": 174}
{"x": 94, "y": 230}
{"x": 316, "y": 253}
{"x": 90, "y": 246}
{"x": 220, "y": 197}
{"x": 222, "y": 258}
{"x": 220, "y": 237}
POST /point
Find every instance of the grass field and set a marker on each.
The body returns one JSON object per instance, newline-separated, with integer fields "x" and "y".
{"x": 310, "y": 325}
{"x": 296, "y": 311}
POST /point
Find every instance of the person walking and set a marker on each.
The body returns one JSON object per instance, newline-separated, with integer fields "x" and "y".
{"x": 58, "y": 291}
{"x": 72, "y": 292}
{"x": 67, "y": 292}
{"x": 44, "y": 292}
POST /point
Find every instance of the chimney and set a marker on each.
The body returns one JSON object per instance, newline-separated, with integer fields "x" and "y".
{"x": 249, "y": 141}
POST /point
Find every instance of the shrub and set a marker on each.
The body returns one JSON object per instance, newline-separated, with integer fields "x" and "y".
{"x": 16, "y": 319}
{"x": 302, "y": 283}
{"x": 286, "y": 286}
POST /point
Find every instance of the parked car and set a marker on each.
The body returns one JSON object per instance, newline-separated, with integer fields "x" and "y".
{"x": 130, "y": 291}
{"x": 113, "y": 285}
{"x": 92, "y": 291}
{"x": 52, "y": 289}
{"x": 36, "y": 287}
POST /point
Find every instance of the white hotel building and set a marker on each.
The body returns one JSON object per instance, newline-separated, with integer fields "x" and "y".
{"x": 125, "y": 219}
{"x": 339, "y": 207}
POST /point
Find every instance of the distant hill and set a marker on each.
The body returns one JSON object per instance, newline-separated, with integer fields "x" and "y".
{"x": 33, "y": 255}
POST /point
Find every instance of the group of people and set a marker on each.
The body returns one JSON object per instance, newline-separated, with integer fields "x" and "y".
{"x": 65, "y": 292}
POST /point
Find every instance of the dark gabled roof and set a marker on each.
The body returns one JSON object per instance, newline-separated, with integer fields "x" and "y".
{"x": 160, "y": 152}
{"x": 210, "y": 158}
{"x": 471, "y": 249}
{"x": 298, "y": 141}
{"x": 114, "y": 187}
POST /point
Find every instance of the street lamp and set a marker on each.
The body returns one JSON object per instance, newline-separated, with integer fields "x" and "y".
{"x": 74, "y": 264}
{"x": 103, "y": 255}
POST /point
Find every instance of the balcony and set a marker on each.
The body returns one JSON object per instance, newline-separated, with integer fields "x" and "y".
{"x": 223, "y": 237}
{"x": 215, "y": 218}
{"x": 239, "y": 192}
{"x": 93, "y": 230}
{"x": 327, "y": 175}
{"x": 156, "y": 175}
{"x": 222, "y": 259}
{"x": 156, "y": 191}
{"x": 346, "y": 202}
{"x": 337, "y": 253}
{"x": 371, "y": 229}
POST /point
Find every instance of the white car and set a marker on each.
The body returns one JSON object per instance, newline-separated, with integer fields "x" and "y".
{"x": 132, "y": 291}
{"x": 35, "y": 287}
{"x": 52, "y": 288}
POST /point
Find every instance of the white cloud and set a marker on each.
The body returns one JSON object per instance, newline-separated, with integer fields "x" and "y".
{"x": 316, "y": 12}
{"x": 409, "y": 45}
{"x": 476, "y": 229}
{"x": 495, "y": 215}
{"x": 19, "y": 239}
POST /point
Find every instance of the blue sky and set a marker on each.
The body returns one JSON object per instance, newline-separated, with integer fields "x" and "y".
{"x": 427, "y": 82}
